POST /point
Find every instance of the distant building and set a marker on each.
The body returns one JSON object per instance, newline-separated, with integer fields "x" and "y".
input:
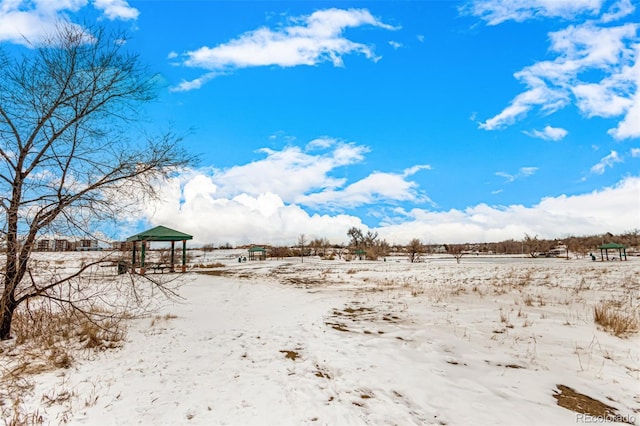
{"x": 121, "y": 245}
{"x": 43, "y": 244}
{"x": 61, "y": 245}
{"x": 87, "y": 245}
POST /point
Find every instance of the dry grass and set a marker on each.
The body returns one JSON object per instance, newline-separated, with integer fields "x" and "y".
{"x": 50, "y": 330}
{"x": 210, "y": 265}
{"x": 47, "y": 339}
{"x": 161, "y": 318}
{"x": 615, "y": 321}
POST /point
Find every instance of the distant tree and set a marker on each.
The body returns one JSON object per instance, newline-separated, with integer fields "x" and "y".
{"x": 456, "y": 250}
{"x": 534, "y": 246}
{"x": 415, "y": 250}
{"x": 370, "y": 239}
{"x": 279, "y": 252}
{"x": 319, "y": 246}
{"x": 323, "y": 246}
{"x": 377, "y": 248}
{"x": 302, "y": 241}
{"x": 315, "y": 246}
{"x": 70, "y": 155}
{"x": 356, "y": 237}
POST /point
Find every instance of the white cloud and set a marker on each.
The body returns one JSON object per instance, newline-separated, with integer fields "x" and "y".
{"x": 289, "y": 173}
{"x": 321, "y": 143}
{"x": 24, "y": 21}
{"x": 522, "y": 173}
{"x": 629, "y": 127}
{"x": 308, "y": 40}
{"x": 635, "y": 152}
{"x": 264, "y": 202}
{"x": 415, "y": 169}
{"x": 191, "y": 205}
{"x": 116, "y": 9}
{"x": 375, "y": 188}
{"x": 613, "y": 52}
{"x": 605, "y": 162}
{"x": 395, "y": 44}
{"x": 305, "y": 177}
{"x": 614, "y": 209}
{"x": 549, "y": 133}
{"x": 495, "y": 12}
{"x": 618, "y": 10}
{"x": 527, "y": 171}
{"x": 600, "y": 100}
{"x": 197, "y": 83}
{"x": 539, "y": 94}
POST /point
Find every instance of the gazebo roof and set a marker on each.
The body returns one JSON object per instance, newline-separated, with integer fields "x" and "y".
{"x": 160, "y": 233}
{"x": 611, "y": 246}
{"x": 252, "y": 249}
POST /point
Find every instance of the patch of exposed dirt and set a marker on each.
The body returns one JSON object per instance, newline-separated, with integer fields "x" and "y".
{"x": 351, "y": 316}
{"x": 305, "y": 282}
{"x": 337, "y": 326}
{"x": 292, "y": 355}
{"x": 575, "y": 401}
{"x": 217, "y": 272}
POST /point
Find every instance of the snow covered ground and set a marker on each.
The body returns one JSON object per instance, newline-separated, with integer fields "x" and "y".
{"x": 487, "y": 341}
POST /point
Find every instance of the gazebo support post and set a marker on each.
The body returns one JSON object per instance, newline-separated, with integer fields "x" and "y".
{"x": 184, "y": 255}
{"x": 142, "y": 253}
{"x": 133, "y": 257}
{"x": 173, "y": 255}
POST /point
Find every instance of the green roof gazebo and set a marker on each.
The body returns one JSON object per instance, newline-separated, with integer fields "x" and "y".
{"x": 259, "y": 253}
{"x": 159, "y": 233}
{"x": 604, "y": 250}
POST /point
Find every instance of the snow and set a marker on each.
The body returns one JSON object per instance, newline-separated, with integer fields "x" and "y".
{"x": 485, "y": 341}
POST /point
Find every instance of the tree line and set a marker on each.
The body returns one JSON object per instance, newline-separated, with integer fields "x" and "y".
{"x": 368, "y": 245}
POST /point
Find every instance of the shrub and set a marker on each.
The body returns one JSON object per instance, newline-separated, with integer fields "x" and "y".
{"x": 614, "y": 321}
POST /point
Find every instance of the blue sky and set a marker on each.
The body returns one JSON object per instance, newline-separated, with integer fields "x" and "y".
{"x": 440, "y": 120}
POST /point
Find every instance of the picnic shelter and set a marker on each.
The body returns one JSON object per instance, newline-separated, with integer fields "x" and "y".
{"x": 159, "y": 233}
{"x": 604, "y": 250}
{"x": 257, "y": 253}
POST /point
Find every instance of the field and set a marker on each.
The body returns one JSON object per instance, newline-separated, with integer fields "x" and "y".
{"x": 492, "y": 340}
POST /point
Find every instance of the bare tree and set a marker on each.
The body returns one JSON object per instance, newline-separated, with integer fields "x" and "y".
{"x": 534, "y": 246}
{"x": 356, "y": 237}
{"x": 70, "y": 154}
{"x": 415, "y": 250}
{"x": 302, "y": 240}
{"x": 377, "y": 248}
{"x": 456, "y": 250}
{"x": 370, "y": 239}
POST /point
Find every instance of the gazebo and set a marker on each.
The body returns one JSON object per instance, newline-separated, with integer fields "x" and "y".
{"x": 604, "y": 250}
{"x": 159, "y": 233}
{"x": 259, "y": 253}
